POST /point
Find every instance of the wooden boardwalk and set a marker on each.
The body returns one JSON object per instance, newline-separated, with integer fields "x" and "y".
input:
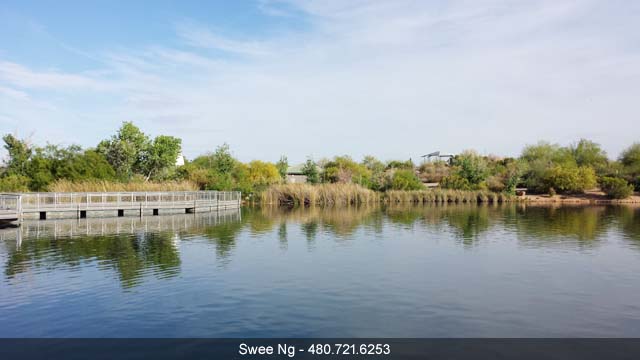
{"x": 81, "y": 205}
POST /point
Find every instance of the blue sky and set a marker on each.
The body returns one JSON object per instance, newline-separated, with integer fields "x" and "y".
{"x": 395, "y": 79}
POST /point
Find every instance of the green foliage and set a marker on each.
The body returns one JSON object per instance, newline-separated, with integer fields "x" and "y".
{"x": 130, "y": 152}
{"x": 261, "y": 173}
{"x": 588, "y": 153}
{"x": 14, "y": 183}
{"x": 310, "y": 170}
{"x": 283, "y": 166}
{"x": 396, "y": 164}
{"x": 342, "y": 169}
{"x": 160, "y": 155}
{"x": 455, "y": 182}
{"x": 404, "y": 179}
{"x": 19, "y": 154}
{"x": 434, "y": 171}
{"x": 616, "y": 188}
{"x": 471, "y": 167}
{"x": 571, "y": 179}
{"x": 377, "y": 170}
{"x": 125, "y": 150}
{"x": 630, "y": 160}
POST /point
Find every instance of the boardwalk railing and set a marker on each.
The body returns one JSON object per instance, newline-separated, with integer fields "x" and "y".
{"x": 80, "y": 203}
{"x": 10, "y": 207}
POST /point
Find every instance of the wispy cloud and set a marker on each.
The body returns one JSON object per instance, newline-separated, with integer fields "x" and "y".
{"x": 394, "y": 79}
{"x": 200, "y": 36}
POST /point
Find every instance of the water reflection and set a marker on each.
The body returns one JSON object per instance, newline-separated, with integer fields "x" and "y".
{"x": 134, "y": 248}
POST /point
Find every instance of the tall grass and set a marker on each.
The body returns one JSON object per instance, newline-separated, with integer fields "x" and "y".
{"x": 446, "y": 196}
{"x": 323, "y": 194}
{"x": 113, "y": 186}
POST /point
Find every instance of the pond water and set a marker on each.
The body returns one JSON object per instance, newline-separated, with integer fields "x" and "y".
{"x": 429, "y": 271}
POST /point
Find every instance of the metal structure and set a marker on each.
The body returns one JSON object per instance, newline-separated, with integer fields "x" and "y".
{"x": 39, "y": 205}
{"x": 437, "y": 155}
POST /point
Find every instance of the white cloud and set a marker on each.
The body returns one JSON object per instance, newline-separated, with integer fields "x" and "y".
{"x": 394, "y": 79}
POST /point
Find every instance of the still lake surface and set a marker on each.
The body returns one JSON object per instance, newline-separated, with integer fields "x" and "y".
{"x": 427, "y": 271}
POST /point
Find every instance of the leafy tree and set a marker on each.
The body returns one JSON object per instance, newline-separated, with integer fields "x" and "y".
{"x": 125, "y": 150}
{"x": 310, "y": 170}
{"x": 261, "y": 173}
{"x": 630, "y": 160}
{"x": 471, "y": 167}
{"x": 404, "y": 179}
{"x": 342, "y": 169}
{"x": 160, "y": 155}
{"x": 283, "y": 166}
{"x": 19, "y": 154}
{"x": 588, "y": 153}
{"x": 377, "y": 169}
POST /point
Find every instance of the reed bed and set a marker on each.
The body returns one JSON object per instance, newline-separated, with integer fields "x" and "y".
{"x": 445, "y": 196}
{"x": 113, "y": 186}
{"x": 323, "y": 194}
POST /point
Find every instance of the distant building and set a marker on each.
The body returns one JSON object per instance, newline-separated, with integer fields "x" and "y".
{"x": 437, "y": 156}
{"x": 180, "y": 160}
{"x": 295, "y": 175}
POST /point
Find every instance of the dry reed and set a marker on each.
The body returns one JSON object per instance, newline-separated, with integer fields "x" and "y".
{"x": 323, "y": 194}
{"x": 112, "y": 186}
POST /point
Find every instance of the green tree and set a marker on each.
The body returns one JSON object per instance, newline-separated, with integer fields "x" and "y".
{"x": 283, "y": 166}
{"x": 310, "y": 170}
{"x": 160, "y": 156}
{"x": 471, "y": 167}
{"x": 377, "y": 169}
{"x": 125, "y": 150}
{"x": 19, "y": 154}
{"x": 630, "y": 160}
{"x": 342, "y": 169}
{"x": 404, "y": 179}
{"x": 588, "y": 153}
{"x": 263, "y": 173}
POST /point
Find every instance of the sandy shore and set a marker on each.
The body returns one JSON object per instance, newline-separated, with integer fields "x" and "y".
{"x": 590, "y": 197}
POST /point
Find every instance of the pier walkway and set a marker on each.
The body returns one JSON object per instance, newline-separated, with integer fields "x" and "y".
{"x": 41, "y": 206}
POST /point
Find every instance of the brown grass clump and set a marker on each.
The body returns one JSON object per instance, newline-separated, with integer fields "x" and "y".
{"x": 113, "y": 186}
{"x": 323, "y": 194}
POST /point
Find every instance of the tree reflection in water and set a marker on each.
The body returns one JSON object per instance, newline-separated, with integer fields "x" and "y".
{"x": 151, "y": 247}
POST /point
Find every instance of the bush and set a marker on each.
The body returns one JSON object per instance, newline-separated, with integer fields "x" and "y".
{"x": 570, "y": 179}
{"x": 14, "y": 183}
{"x": 405, "y": 180}
{"x": 455, "y": 182}
{"x": 616, "y": 188}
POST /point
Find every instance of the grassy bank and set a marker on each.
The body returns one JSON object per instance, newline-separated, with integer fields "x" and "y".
{"x": 114, "y": 186}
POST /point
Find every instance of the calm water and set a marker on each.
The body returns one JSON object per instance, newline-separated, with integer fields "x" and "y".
{"x": 448, "y": 271}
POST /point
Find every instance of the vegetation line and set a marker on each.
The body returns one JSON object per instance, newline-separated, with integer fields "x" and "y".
{"x": 130, "y": 160}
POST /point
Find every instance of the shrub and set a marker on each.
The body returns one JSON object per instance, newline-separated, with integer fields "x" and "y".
{"x": 14, "y": 183}
{"x": 455, "y": 182}
{"x": 616, "y": 188}
{"x": 405, "y": 180}
{"x": 570, "y": 179}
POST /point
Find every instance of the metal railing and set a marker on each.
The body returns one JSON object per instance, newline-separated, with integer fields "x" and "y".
{"x": 10, "y": 203}
{"x": 121, "y": 200}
